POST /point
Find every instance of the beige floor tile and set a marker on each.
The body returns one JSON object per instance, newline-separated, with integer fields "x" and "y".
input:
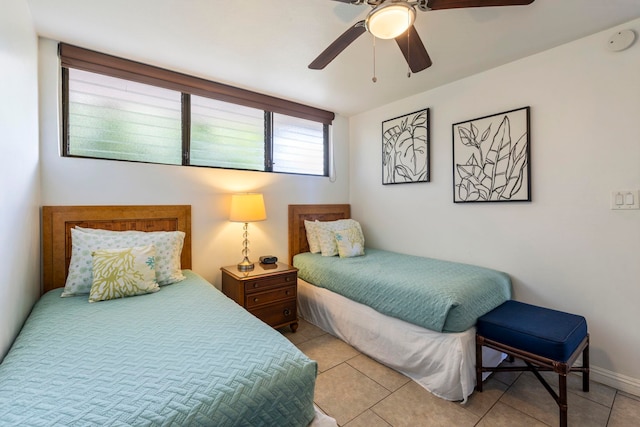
{"x": 600, "y": 393}
{"x": 508, "y": 378}
{"x": 480, "y": 403}
{"x": 367, "y": 419}
{"x": 383, "y": 375}
{"x": 344, "y": 393}
{"x": 502, "y": 415}
{"x": 309, "y": 329}
{"x": 305, "y": 332}
{"x": 328, "y": 351}
{"x": 295, "y": 337}
{"x": 412, "y": 406}
{"x": 625, "y": 411}
{"x": 529, "y": 396}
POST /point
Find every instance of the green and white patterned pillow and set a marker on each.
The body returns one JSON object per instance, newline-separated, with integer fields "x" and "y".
{"x": 168, "y": 246}
{"x": 119, "y": 273}
{"x": 326, "y": 237}
{"x": 350, "y": 242}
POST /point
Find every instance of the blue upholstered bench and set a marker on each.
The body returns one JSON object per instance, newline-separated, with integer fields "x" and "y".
{"x": 545, "y": 339}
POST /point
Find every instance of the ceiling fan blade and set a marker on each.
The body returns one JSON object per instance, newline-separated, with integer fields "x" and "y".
{"x": 413, "y": 50}
{"x": 338, "y": 46}
{"x": 455, "y": 4}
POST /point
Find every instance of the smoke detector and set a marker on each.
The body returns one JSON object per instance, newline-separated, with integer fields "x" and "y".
{"x": 621, "y": 40}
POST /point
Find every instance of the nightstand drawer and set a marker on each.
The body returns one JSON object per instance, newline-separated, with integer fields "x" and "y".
{"x": 269, "y": 292}
{"x": 277, "y": 314}
{"x": 260, "y": 298}
{"x": 254, "y": 285}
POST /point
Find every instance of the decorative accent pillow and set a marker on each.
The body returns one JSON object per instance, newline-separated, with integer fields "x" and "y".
{"x": 350, "y": 242}
{"x": 119, "y": 273}
{"x": 168, "y": 246}
{"x": 312, "y": 236}
{"x": 326, "y": 237}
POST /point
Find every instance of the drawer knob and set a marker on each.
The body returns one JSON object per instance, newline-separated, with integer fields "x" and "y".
{"x": 286, "y": 312}
{"x": 288, "y": 279}
{"x": 255, "y": 284}
{"x": 286, "y": 292}
{"x": 256, "y": 300}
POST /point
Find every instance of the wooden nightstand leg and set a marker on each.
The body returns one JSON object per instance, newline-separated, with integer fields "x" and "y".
{"x": 294, "y": 326}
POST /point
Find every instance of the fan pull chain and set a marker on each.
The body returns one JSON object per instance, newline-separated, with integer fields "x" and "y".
{"x": 408, "y": 48}
{"x": 374, "y": 78}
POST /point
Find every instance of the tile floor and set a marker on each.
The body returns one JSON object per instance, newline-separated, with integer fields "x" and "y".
{"x": 358, "y": 391}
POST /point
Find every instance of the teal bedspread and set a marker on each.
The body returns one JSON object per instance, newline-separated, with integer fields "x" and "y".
{"x": 439, "y": 295}
{"x": 184, "y": 356}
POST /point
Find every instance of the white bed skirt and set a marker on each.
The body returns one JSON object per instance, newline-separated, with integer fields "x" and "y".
{"x": 443, "y": 363}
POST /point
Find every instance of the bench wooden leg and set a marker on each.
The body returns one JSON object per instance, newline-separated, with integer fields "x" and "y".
{"x": 478, "y": 364}
{"x": 585, "y": 366}
{"x": 562, "y": 400}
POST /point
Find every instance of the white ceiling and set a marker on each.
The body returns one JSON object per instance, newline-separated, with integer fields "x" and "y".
{"x": 266, "y": 45}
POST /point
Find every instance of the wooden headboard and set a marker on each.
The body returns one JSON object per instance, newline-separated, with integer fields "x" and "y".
{"x": 299, "y": 213}
{"x": 57, "y": 222}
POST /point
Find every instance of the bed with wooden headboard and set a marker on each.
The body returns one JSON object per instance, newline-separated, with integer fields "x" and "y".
{"x": 57, "y": 222}
{"x": 298, "y": 214}
{"x": 183, "y": 354}
{"x": 443, "y": 363}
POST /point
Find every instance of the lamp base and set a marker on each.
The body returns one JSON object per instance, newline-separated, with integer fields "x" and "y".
{"x": 246, "y": 265}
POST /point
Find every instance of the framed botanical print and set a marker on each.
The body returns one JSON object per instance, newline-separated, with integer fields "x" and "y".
{"x": 491, "y": 161}
{"x": 405, "y": 148}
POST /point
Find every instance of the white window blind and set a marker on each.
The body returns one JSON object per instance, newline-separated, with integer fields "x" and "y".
{"x": 226, "y": 135}
{"x": 113, "y": 118}
{"x": 298, "y": 145}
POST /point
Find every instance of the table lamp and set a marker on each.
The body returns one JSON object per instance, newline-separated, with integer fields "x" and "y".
{"x": 247, "y": 207}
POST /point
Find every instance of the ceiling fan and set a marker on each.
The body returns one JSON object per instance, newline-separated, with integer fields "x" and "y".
{"x": 393, "y": 19}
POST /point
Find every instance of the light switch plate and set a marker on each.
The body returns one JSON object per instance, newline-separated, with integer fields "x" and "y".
{"x": 625, "y": 199}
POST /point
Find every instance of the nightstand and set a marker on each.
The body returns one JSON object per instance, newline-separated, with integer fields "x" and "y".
{"x": 268, "y": 292}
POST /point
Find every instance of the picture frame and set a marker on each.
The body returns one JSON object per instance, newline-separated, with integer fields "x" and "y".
{"x": 405, "y": 148}
{"x": 491, "y": 158}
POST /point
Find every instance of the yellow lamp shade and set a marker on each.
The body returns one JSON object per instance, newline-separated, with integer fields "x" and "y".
{"x": 247, "y": 207}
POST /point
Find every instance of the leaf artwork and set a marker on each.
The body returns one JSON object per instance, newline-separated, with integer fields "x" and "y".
{"x": 496, "y": 167}
{"x": 405, "y": 149}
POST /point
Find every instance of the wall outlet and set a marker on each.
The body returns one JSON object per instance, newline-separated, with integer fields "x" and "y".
{"x": 625, "y": 199}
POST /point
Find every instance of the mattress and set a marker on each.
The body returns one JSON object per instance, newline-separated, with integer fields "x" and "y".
{"x": 186, "y": 356}
{"x": 439, "y": 295}
{"x": 443, "y": 363}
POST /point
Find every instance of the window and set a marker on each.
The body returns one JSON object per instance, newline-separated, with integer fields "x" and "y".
{"x": 299, "y": 145}
{"x": 226, "y": 135}
{"x": 111, "y": 118}
{"x": 122, "y": 110}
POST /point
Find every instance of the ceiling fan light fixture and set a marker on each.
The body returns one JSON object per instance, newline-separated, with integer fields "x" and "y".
{"x": 390, "y": 19}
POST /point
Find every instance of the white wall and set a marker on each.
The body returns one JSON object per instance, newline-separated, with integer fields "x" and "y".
{"x": 216, "y": 241}
{"x": 566, "y": 249}
{"x": 19, "y": 175}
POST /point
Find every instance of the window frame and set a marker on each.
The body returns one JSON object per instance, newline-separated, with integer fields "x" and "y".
{"x": 112, "y": 66}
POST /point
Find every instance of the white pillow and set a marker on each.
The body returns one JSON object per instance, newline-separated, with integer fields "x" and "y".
{"x": 312, "y": 236}
{"x": 119, "y": 273}
{"x": 168, "y": 245}
{"x": 326, "y": 237}
{"x": 103, "y": 231}
{"x": 350, "y": 242}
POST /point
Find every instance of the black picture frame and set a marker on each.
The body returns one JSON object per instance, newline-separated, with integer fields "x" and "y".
{"x": 405, "y": 148}
{"x": 491, "y": 158}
